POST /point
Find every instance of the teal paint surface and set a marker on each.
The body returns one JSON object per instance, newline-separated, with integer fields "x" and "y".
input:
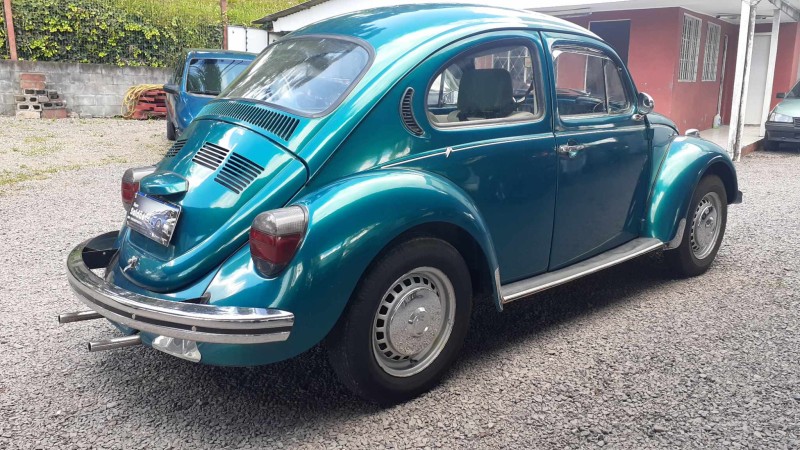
{"x": 365, "y": 180}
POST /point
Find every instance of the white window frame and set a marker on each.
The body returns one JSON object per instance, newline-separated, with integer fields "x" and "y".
{"x": 711, "y": 58}
{"x": 690, "y": 48}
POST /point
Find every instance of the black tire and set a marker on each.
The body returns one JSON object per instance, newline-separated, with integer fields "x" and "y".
{"x": 350, "y": 346}
{"x": 683, "y": 261}
{"x": 170, "y": 130}
{"x": 771, "y": 146}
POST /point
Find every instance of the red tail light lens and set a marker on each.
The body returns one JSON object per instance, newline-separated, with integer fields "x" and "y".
{"x": 129, "y": 190}
{"x": 130, "y": 183}
{"x": 275, "y": 237}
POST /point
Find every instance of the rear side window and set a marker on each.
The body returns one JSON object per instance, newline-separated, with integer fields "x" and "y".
{"x": 588, "y": 83}
{"x": 492, "y": 83}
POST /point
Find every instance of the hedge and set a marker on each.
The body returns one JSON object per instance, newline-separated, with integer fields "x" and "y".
{"x": 94, "y": 31}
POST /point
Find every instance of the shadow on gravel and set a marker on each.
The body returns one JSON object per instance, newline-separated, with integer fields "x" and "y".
{"x": 303, "y": 392}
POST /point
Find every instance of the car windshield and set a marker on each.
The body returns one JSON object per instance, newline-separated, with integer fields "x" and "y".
{"x": 305, "y": 75}
{"x": 211, "y": 76}
{"x": 795, "y": 92}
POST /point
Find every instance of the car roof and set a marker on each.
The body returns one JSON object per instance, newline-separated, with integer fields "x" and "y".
{"x": 217, "y": 53}
{"x": 413, "y": 25}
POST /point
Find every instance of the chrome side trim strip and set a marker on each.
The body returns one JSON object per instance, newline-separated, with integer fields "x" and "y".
{"x": 195, "y": 322}
{"x": 625, "y": 252}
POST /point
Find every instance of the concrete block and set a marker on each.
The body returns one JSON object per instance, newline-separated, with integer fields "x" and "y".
{"x": 109, "y": 100}
{"x": 90, "y": 68}
{"x": 60, "y": 113}
{"x": 29, "y": 115}
{"x": 27, "y": 106}
{"x": 54, "y": 105}
{"x": 33, "y": 77}
{"x": 35, "y": 85}
{"x": 84, "y": 100}
{"x": 20, "y": 98}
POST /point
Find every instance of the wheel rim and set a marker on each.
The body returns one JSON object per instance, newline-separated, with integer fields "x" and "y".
{"x": 706, "y": 225}
{"x": 413, "y": 322}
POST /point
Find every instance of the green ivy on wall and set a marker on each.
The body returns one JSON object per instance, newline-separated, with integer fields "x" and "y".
{"x": 96, "y": 31}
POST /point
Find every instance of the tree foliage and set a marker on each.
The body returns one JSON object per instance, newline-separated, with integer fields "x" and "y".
{"x": 124, "y": 32}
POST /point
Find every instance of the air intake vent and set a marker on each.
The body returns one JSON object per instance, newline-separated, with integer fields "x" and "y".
{"x": 176, "y": 147}
{"x": 407, "y": 113}
{"x": 280, "y": 124}
{"x": 237, "y": 173}
{"x": 210, "y": 155}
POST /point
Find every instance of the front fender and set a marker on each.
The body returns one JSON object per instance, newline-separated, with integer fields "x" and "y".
{"x": 350, "y": 222}
{"x": 685, "y": 162}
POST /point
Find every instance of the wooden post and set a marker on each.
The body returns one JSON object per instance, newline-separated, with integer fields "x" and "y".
{"x": 223, "y": 6}
{"x": 773, "y": 56}
{"x": 742, "y": 78}
{"x": 12, "y": 38}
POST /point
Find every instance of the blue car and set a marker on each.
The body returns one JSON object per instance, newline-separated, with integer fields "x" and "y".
{"x": 200, "y": 76}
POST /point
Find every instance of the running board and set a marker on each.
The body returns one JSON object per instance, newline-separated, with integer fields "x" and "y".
{"x": 625, "y": 252}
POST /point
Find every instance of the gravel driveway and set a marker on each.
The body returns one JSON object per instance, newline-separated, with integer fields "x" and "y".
{"x": 625, "y": 359}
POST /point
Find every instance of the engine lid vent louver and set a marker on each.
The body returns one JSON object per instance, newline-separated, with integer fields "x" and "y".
{"x": 238, "y": 172}
{"x": 210, "y": 155}
{"x": 407, "y": 113}
{"x": 278, "y": 123}
{"x": 175, "y": 148}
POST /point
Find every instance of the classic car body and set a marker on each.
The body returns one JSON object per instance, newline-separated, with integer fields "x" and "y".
{"x": 783, "y": 122}
{"x": 497, "y": 188}
{"x": 200, "y": 75}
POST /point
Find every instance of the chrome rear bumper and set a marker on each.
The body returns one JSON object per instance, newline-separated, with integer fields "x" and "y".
{"x": 190, "y": 321}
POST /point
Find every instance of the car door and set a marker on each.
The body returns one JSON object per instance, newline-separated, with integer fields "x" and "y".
{"x": 485, "y": 101}
{"x": 603, "y": 151}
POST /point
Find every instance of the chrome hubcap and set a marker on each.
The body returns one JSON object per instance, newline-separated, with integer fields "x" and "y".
{"x": 413, "y": 322}
{"x": 705, "y": 225}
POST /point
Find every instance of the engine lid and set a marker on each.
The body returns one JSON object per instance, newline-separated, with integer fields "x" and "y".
{"x": 231, "y": 174}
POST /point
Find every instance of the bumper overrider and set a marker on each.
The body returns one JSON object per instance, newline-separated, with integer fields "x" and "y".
{"x": 187, "y": 320}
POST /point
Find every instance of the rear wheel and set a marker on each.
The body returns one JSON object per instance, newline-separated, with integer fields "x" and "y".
{"x": 170, "y": 130}
{"x": 405, "y": 323}
{"x": 704, "y": 230}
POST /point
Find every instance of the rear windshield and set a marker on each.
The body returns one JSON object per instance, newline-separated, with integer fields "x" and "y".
{"x": 211, "y": 76}
{"x": 307, "y": 75}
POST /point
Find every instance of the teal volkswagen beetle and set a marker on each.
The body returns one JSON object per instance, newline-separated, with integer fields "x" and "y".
{"x": 370, "y": 175}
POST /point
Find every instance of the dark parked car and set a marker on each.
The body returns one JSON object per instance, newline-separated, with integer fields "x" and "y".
{"x": 783, "y": 123}
{"x": 200, "y": 75}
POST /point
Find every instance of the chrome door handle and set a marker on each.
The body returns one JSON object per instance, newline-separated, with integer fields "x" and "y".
{"x": 571, "y": 150}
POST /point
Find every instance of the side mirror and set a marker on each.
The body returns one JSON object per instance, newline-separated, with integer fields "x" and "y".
{"x": 646, "y": 103}
{"x": 171, "y": 89}
{"x": 693, "y": 132}
{"x": 780, "y": 95}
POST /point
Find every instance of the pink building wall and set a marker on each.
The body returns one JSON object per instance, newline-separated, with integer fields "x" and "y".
{"x": 653, "y": 60}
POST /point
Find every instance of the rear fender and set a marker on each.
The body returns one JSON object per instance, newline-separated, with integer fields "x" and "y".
{"x": 350, "y": 222}
{"x": 685, "y": 162}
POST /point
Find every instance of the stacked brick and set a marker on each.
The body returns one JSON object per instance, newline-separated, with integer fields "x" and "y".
{"x": 151, "y": 104}
{"x": 36, "y": 101}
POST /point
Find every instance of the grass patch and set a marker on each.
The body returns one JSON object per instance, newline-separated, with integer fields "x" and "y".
{"x": 8, "y": 178}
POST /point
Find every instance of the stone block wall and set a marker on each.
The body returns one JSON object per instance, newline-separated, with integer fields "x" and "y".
{"x": 89, "y": 89}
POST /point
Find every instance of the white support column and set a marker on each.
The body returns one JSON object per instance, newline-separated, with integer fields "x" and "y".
{"x": 741, "y": 79}
{"x": 773, "y": 56}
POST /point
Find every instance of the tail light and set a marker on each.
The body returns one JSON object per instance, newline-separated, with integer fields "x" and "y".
{"x": 275, "y": 237}
{"x": 130, "y": 183}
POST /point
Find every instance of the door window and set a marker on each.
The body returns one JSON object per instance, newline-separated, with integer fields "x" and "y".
{"x": 498, "y": 82}
{"x": 588, "y": 83}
